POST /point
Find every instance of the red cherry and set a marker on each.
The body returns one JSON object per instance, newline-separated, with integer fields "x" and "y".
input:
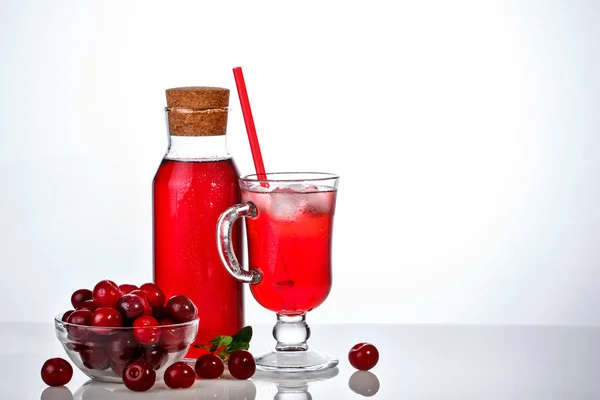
{"x": 131, "y": 306}
{"x": 241, "y": 364}
{"x": 94, "y": 357}
{"x": 106, "y": 317}
{"x": 180, "y": 375}
{"x": 127, "y": 288}
{"x": 209, "y": 366}
{"x": 146, "y": 330}
{"x": 88, "y": 305}
{"x": 123, "y": 348}
{"x": 154, "y": 356}
{"x": 79, "y": 296}
{"x": 106, "y": 294}
{"x": 171, "y": 338}
{"x": 363, "y": 356}
{"x": 144, "y": 297}
{"x": 156, "y": 297}
{"x": 57, "y": 372}
{"x": 80, "y": 317}
{"x": 159, "y": 312}
{"x": 181, "y": 309}
{"x": 66, "y": 315}
{"x": 138, "y": 376}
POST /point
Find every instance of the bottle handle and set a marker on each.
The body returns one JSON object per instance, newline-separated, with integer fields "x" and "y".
{"x": 225, "y": 246}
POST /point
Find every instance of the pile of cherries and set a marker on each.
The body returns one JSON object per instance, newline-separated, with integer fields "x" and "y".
{"x": 110, "y": 306}
{"x": 136, "y": 354}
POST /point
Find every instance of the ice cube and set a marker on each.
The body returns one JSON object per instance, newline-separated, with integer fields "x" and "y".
{"x": 284, "y": 205}
{"x": 260, "y": 187}
{"x": 319, "y": 203}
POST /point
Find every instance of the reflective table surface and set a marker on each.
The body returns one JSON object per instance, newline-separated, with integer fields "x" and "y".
{"x": 416, "y": 362}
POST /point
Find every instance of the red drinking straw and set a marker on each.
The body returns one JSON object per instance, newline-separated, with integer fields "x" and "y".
{"x": 250, "y": 128}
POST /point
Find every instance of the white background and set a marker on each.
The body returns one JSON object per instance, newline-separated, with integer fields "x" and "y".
{"x": 466, "y": 135}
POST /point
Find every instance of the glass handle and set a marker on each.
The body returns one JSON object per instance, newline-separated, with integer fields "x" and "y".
{"x": 225, "y": 246}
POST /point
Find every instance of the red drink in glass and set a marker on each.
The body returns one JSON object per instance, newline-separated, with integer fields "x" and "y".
{"x": 289, "y": 242}
{"x": 289, "y": 223}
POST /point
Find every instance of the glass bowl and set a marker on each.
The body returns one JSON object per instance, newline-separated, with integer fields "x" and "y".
{"x": 102, "y": 353}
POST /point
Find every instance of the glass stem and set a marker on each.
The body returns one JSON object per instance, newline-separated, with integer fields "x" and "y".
{"x": 291, "y": 333}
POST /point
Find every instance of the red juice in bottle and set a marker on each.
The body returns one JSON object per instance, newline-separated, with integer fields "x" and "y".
{"x": 195, "y": 183}
{"x": 289, "y": 242}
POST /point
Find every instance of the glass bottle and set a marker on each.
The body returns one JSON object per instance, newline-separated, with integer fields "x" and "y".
{"x": 197, "y": 181}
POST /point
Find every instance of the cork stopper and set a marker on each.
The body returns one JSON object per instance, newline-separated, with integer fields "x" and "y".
{"x": 197, "y": 111}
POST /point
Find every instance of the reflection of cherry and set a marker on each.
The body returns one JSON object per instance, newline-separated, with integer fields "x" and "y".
{"x": 57, "y": 393}
{"x": 363, "y": 356}
{"x": 364, "y": 383}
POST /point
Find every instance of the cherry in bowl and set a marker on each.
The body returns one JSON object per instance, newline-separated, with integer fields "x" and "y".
{"x": 104, "y": 357}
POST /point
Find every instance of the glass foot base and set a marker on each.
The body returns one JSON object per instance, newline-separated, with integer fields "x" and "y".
{"x": 295, "y": 361}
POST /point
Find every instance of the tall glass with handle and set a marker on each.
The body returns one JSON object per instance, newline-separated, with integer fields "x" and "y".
{"x": 289, "y": 223}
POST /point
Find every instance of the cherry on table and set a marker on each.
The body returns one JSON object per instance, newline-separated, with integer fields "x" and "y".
{"x": 156, "y": 297}
{"x": 79, "y": 296}
{"x": 146, "y": 330}
{"x": 106, "y": 294}
{"x": 139, "y": 376}
{"x": 88, "y": 305}
{"x": 241, "y": 364}
{"x": 127, "y": 288}
{"x": 209, "y": 366}
{"x": 181, "y": 309}
{"x": 179, "y": 376}
{"x": 363, "y": 356}
{"x": 56, "y": 372}
{"x": 131, "y": 306}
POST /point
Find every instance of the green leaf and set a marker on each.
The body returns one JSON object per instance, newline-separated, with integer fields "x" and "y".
{"x": 222, "y": 354}
{"x": 244, "y": 335}
{"x": 221, "y": 341}
{"x": 238, "y": 346}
